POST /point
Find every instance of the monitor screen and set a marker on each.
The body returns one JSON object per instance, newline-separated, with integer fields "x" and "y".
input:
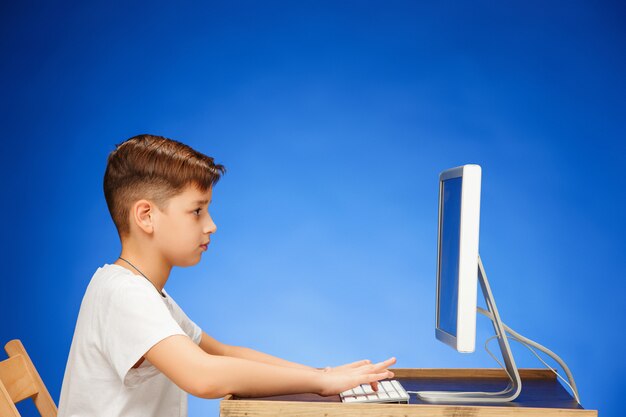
{"x": 457, "y": 256}
{"x": 449, "y": 255}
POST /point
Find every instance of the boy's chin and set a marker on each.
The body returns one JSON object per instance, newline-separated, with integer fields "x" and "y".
{"x": 189, "y": 262}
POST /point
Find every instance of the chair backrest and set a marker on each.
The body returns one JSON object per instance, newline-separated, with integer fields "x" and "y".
{"x": 20, "y": 380}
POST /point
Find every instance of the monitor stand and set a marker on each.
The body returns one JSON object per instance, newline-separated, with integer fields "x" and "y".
{"x": 515, "y": 384}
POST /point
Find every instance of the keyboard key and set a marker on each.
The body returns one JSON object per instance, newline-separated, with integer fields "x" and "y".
{"x": 388, "y": 391}
{"x": 387, "y": 385}
{"x": 400, "y": 390}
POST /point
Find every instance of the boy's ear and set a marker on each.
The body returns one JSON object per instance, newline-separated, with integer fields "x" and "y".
{"x": 142, "y": 212}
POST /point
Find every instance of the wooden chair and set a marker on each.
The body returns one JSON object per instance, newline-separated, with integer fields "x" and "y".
{"x": 20, "y": 380}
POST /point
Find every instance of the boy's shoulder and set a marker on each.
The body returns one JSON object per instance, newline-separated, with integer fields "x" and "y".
{"x": 116, "y": 295}
{"x": 111, "y": 280}
{"x": 112, "y": 275}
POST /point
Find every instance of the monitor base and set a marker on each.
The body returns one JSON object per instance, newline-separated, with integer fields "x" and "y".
{"x": 515, "y": 384}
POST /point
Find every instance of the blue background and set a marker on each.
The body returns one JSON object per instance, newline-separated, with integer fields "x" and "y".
{"x": 334, "y": 120}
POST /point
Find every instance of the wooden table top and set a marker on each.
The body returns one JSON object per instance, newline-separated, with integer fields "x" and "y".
{"x": 540, "y": 387}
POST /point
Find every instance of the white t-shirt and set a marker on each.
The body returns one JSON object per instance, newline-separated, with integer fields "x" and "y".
{"x": 121, "y": 317}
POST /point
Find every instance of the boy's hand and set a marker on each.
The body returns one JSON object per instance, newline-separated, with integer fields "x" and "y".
{"x": 348, "y": 366}
{"x": 345, "y": 377}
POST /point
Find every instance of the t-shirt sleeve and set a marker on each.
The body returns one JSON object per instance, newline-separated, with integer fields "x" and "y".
{"x": 190, "y": 327}
{"x": 134, "y": 320}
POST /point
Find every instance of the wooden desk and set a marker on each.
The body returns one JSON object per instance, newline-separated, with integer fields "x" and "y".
{"x": 542, "y": 395}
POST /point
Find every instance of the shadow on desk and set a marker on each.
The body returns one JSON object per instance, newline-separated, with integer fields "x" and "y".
{"x": 542, "y": 395}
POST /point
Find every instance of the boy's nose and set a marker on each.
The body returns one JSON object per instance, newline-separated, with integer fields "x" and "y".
{"x": 210, "y": 227}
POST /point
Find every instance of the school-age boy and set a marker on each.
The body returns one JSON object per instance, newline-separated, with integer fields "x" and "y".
{"x": 134, "y": 351}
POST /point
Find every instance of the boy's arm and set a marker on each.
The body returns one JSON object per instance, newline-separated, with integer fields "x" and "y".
{"x": 214, "y": 347}
{"x": 210, "y": 376}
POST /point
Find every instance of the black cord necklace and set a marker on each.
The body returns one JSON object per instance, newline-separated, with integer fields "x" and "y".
{"x": 144, "y": 275}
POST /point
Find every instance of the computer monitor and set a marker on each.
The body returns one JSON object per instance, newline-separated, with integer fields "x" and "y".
{"x": 459, "y": 270}
{"x": 457, "y": 256}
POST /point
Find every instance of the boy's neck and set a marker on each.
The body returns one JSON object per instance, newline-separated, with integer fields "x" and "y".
{"x": 155, "y": 269}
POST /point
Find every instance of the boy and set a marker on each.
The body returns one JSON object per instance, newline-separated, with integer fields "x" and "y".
{"x": 134, "y": 351}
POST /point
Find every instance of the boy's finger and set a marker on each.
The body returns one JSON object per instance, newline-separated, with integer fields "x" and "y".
{"x": 383, "y": 365}
{"x": 390, "y": 361}
{"x": 377, "y": 377}
{"x": 353, "y": 365}
{"x": 356, "y": 364}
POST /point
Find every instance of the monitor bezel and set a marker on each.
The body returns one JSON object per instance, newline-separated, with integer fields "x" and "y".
{"x": 469, "y": 225}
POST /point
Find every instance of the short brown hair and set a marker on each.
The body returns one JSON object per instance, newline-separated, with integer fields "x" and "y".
{"x": 154, "y": 168}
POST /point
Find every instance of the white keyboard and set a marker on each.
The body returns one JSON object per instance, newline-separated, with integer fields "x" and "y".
{"x": 388, "y": 392}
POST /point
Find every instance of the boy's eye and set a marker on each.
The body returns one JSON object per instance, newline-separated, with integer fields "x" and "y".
{"x": 197, "y": 212}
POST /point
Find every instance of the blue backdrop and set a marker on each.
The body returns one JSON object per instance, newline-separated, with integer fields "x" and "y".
{"x": 333, "y": 120}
